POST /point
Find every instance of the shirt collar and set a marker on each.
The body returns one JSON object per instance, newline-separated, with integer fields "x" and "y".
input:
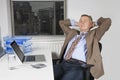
{"x": 83, "y": 33}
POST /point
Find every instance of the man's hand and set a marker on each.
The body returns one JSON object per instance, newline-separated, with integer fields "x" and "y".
{"x": 95, "y": 24}
{"x": 73, "y": 22}
{"x": 76, "y": 23}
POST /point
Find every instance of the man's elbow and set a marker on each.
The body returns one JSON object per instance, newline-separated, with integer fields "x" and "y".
{"x": 109, "y": 21}
{"x": 65, "y": 22}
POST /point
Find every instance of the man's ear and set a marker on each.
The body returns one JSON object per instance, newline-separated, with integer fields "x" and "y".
{"x": 93, "y": 26}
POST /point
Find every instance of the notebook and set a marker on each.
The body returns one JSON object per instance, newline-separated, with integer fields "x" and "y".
{"x": 26, "y": 58}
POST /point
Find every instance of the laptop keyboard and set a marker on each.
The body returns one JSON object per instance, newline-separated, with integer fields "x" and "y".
{"x": 30, "y": 58}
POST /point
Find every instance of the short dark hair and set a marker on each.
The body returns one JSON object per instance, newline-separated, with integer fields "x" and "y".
{"x": 87, "y": 16}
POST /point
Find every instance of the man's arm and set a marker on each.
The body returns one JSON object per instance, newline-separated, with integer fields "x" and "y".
{"x": 64, "y": 24}
{"x": 104, "y": 24}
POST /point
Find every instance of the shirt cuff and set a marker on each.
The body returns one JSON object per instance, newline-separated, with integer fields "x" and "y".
{"x": 72, "y": 21}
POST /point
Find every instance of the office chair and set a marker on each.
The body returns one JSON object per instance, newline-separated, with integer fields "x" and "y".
{"x": 86, "y": 67}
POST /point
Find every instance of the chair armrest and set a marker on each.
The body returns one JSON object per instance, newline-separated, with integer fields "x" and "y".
{"x": 86, "y": 71}
{"x": 86, "y": 65}
{"x": 56, "y": 61}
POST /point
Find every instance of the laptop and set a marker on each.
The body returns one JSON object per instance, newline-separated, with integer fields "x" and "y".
{"x": 26, "y": 58}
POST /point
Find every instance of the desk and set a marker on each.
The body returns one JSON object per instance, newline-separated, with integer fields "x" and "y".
{"x": 27, "y": 72}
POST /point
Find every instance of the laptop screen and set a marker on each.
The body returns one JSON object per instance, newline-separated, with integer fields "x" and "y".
{"x": 17, "y": 50}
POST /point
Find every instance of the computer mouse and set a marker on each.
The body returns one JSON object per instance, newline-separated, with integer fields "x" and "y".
{"x": 38, "y": 66}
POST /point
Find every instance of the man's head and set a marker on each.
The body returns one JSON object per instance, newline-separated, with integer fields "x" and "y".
{"x": 85, "y": 23}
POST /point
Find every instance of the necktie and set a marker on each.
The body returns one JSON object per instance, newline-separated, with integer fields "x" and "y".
{"x": 71, "y": 49}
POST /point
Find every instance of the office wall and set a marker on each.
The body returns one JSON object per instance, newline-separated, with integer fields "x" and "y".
{"x": 96, "y": 8}
{"x": 5, "y": 23}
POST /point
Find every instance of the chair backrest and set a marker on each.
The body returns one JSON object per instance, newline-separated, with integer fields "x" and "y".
{"x": 100, "y": 46}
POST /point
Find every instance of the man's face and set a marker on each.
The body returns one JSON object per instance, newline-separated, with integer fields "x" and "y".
{"x": 85, "y": 23}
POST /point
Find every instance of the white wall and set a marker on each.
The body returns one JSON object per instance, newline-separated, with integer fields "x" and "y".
{"x": 5, "y": 23}
{"x": 105, "y": 8}
{"x": 96, "y": 8}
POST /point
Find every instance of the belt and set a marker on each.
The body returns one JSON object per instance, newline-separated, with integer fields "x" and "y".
{"x": 75, "y": 61}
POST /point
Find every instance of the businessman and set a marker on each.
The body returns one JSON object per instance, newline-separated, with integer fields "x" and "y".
{"x": 81, "y": 47}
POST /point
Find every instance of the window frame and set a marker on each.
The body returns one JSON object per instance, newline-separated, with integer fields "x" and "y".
{"x": 12, "y": 18}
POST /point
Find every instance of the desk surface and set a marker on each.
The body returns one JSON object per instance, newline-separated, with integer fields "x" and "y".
{"x": 26, "y": 72}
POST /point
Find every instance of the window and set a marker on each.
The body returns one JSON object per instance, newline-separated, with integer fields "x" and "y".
{"x": 37, "y": 17}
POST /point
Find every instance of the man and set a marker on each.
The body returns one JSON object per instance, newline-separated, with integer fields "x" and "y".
{"x": 86, "y": 49}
